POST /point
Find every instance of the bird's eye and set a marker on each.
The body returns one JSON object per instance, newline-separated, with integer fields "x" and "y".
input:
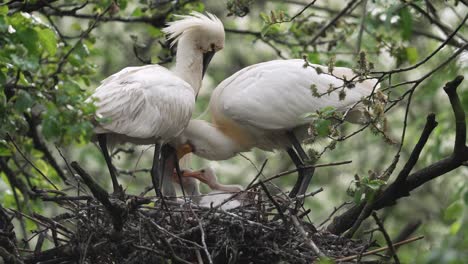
{"x": 202, "y": 171}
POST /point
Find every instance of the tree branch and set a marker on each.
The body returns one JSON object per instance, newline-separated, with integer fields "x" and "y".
{"x": 404, "y": 184}
{"x": 387, "y": 237}
{"x": 41, "y": 146}
{"x": 117, "y": 210}
{"x": 350, "y": 6}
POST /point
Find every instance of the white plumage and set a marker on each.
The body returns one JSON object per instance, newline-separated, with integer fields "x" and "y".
{"x": 264, "y": 106}
{"x": 151, "y": 104}
{"x": 274, "y": 95}
{"x": 144, "y": 104}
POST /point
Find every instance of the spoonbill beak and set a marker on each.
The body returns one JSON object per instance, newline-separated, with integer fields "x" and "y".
{"x": 199, "y": 175}
{"x": 206, "y": 60}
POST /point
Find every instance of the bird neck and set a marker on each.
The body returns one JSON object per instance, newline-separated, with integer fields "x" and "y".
{"x": 226, "y": 187}
{"x": 189, "y": 63}
{"x": 210, "y": 142}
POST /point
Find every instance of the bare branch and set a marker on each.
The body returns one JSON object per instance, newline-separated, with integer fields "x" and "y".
{"x": 405, "y": 184}
{"x": 386, "y": 236}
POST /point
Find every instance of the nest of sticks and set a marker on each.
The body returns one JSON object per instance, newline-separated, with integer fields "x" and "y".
{"x": 104, "y": 228}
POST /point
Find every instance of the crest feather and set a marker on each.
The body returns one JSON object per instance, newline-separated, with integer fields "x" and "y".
{"x": 176, "y": 29}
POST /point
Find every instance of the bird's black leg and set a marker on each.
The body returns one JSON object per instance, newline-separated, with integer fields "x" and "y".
{"x": 155, "y": 169}
{"x": 179, "y": 175}
{"x": 168, "y": 159}
{"x": 299, "y": 165}
{"x": 102, "y": 140}
{"x": 306, "y": 172}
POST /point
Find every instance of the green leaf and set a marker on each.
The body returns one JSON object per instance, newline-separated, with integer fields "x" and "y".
{"x": 310, "y": 116}
{"x": 455, "y": 227}
{"x": 265, "y": 30}
{"x": 270, "y": 29}
{"x": 322, "y": 126}
{"x": 358, "y": 196}
{"x": 325, "y": 260}
{"x": 197, "y": 6}
{"x": 265, "y": 17}
{"x": 43, "y": 166}
{"x": 29, "y": 38}
{"x": 3, "y": 24}
{"x": 75, "y": 60}
{"x": 82, "y": 50}
{"x": 29, "y": 63}
{"x": 48, "y": 40}
{"x": 406, "y": 23}
{"x": 50, "y": 127}
{"x": 314, "y": 57}
{"x": 4, "y": 149}
{"x": 23, "y": 101}
{"x": 122, "y": 4}
{"x": 412, "y": 55}
{"x": 2, "y": 78}
{"x": 155, "y": 32}
{"x": 137, "y": 12}
{"x": 3, "y": 10}
{"x": 454, "y": 211}
{"x": 327, "y": 111}
{"x": 375, "y": 184}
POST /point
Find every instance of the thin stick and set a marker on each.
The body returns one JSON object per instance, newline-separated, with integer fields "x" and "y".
{"x": 202, "y": 231}
{"x": 303, "y": 233}
{"x": 379, "y": 249}
{"x": 386, "y": 236}
{"x": 294, "y": 170}
{"x": 278, "y": 207}
{"x": 30, "y": 162}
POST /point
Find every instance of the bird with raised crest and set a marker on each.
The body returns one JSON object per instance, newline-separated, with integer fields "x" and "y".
{"x": 151, "y": 104}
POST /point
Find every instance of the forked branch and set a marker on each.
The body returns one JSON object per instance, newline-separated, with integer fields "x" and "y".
{"x": 406, "y": 182}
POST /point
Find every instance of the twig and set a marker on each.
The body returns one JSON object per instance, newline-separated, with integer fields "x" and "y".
{"x": 431, "y": 124}
{"x": 202, "y": 231}
{"x": 259, "y": 173}
{"x": 275, "y": 203}
{"x": 443, "y": 44}
{"x": 397, "y": 190}
{"x": 30, "y": 162}
{"x": 336, "y": 209}
{"x": 386, "y": 236}
{"x": 349, "y": 6}
{"x": 361, "y": 26}
{"x": 309, "y": 242}
{"x": 302, "y": 10}
{"x": 41, "y": 146}
{"x": 408, "y": 230}
{"x": 379, "y": 249}
{"x": 296, "y": 169}
{"x": 117, "y": 211}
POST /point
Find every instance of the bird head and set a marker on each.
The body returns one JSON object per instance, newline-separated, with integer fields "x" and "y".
{"x": 208, "y": 176}
{"x": 206, "y": 32}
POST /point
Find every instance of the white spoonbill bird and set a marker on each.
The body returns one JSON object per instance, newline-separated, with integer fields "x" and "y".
{"x": 263, "y": 106}
{"x": 151, "y": 104}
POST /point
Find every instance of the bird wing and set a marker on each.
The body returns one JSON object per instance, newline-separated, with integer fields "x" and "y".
{"x": 144, "y": 102}
{"x": 277, "y": 94}
{"x": 125, "y": 72}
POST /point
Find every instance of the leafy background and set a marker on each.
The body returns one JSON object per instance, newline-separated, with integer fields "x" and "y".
{"x": 50, "y": 62}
